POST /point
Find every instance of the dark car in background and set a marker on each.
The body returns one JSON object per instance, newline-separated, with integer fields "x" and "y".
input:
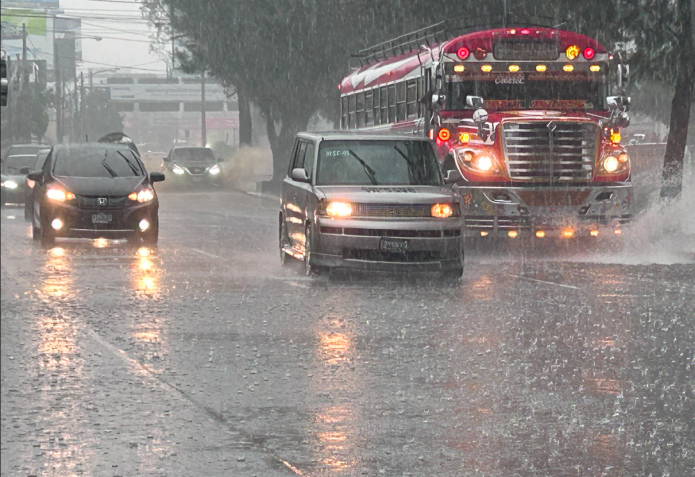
{"x": 193, "y": 164}
{"x": 95, "y": 190}
{"x": 369, "y": 202}
{"x": 13, "y": 183}
{"x": 28, "y": 190}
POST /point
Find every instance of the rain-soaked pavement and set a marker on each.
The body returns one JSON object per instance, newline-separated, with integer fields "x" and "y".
{"x": 205, "y": 357}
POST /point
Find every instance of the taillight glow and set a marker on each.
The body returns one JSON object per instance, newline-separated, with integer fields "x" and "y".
{"x": 525, "y": 31}
{"x": 589, "y": 53}
{"x": 463, "y": 52}
{"x": 444, "y": 134}
{"x": 572, "y": 52}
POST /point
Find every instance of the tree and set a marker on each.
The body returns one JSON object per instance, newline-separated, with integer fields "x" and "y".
{"x": 664, "y": 38}
{"x": 99, "y": 114}
{"x": 29, "y": 118}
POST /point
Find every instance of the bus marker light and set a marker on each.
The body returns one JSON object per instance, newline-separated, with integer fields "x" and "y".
{"x": 615, "y": 136}
{"x": 593, "y": 233}
{"x": 540, "y": 233}
{"x": 568, "y": 68}
{"x": 541, "y": 68}
{"x": 486, "y": 68}
{"x": 525, "y": 31}
{"x": 513, "y": 68}
{"x": 568, "y": 233}
{"x": 512, "y": 234}
{"x": 572, "y": 52}
{"x": 432, "y": 134}
{"x": 618, "y": 232}
{"x": 464, "y": 138}
{"x": 483, "y": 233}
{"x": 595, "y": 68}
{"x": 459, "y": 68}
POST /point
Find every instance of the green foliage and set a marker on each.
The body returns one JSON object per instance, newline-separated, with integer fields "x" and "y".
{"x": 100, "y": 116}
{"x": 30, "y": 115}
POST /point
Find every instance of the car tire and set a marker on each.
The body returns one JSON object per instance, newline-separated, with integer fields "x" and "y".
{"x": 284, "y": 241}
{"x": 151, "y": 237}
{"x": 310, "y": 269}
{"x": 48, "y": 238}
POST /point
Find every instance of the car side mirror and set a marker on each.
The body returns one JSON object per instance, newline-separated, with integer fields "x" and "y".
{"x": 452, "y": 176}
{"x": 36, "y": 176}
{"x": 299, "y": 175}
{"x": 24, "y": 170}
{"x": 166, "y": 159}
{"x": 156, "y": 177}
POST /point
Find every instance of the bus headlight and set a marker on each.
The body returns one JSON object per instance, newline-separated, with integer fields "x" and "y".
{"x": 610, "y": 164}
{"x": 478, "y": 162}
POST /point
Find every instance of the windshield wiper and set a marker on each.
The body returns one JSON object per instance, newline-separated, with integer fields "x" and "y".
{"x": 410, "y": 164}
{"x": 132, "y": 167}
{"x": 106, "y": 166}
{"x": 367, "y": 170}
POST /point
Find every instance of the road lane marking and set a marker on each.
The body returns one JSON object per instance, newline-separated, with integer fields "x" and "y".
{"x": 547, "y": 283}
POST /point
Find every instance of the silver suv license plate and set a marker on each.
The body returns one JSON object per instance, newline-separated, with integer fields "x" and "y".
{"x": 101, "y": 218}
{"x": 393, "y": 245}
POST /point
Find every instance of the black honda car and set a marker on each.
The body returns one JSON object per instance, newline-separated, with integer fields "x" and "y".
{"x": 193, "y": 164}
{"x": 95, "y": 190}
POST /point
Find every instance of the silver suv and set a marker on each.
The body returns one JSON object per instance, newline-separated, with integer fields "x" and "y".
{"x": 368, "y": 202}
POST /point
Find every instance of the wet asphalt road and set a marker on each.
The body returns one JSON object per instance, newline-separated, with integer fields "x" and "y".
{"x": 205, "y": 357}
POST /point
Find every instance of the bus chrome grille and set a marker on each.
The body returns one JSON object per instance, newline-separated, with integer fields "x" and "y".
{"x": 550, "y": 151}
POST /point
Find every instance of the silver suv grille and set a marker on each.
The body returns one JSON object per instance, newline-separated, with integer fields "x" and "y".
{"x": 550, "y": 151}
{"x": 392, "y": 210}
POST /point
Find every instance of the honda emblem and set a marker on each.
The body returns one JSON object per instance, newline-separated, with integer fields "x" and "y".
{"x": 101, "y": 200}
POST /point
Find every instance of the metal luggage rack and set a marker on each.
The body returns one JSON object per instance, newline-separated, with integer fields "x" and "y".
{"x": 439, "y": 32}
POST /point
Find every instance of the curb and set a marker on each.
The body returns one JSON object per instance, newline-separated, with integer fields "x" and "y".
{"x": 261, "y": 195}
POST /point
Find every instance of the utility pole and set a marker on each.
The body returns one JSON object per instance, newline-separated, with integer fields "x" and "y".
{"x": 203, "y": 129}
{"x": 59, "y": 95}
{"x": 173, "y": 47}
{"x": 82, "y": 106}
{"x": 24, "y": 55}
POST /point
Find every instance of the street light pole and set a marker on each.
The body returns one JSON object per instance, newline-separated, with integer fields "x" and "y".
{"x": 203, "y": 126}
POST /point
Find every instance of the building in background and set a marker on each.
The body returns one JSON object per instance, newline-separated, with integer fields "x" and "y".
{"x": 160, "y": 111}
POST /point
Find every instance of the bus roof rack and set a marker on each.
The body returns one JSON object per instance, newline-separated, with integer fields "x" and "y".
{"x": 442, "y": 31}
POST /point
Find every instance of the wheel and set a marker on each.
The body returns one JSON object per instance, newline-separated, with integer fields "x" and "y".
{"x": 284, "y": 242}
{"x": 48, "y": 238}
{"x": 151, "y": 236}
{"x": 310, "y": 269}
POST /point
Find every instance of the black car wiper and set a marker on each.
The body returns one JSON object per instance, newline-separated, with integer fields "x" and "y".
{"x": 106, "y": 166}
{"x": 410, "y": 164}
{"x": 367, "y": 170}
{"x": 127, "y": 161}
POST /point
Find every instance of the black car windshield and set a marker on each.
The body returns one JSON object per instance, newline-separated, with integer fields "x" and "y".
{"x": 528, "y": 91}
{"x": 189, "y": 155}
{"x": 377, "y": 163}
{"x": 97, "y": 161}
{"x": 13, "y": 164}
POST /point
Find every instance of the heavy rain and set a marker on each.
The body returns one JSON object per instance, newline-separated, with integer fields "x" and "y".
{"x": 345, "y": 238}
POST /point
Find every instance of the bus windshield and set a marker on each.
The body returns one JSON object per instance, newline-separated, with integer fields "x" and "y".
{"x": 528, "y": 91}
{"x": 377, "y": 163}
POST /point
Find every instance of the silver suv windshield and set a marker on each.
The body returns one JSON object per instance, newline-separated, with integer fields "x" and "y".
{"x": 375, "y": 162}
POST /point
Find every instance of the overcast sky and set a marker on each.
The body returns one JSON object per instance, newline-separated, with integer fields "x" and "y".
{"x": 125, "y": 35}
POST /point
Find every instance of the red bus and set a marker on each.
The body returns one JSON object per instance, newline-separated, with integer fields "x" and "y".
{"x": 527, "y": 123}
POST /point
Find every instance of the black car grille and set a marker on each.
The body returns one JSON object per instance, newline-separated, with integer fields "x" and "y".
{"x": 196, "y": 170}
{"x": 550, "y": 151}
{"x": 392, "y": 210}
{"x": 102, "y": 203}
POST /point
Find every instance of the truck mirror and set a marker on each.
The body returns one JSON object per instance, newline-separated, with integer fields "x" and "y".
{"x": 475, "y": 101}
